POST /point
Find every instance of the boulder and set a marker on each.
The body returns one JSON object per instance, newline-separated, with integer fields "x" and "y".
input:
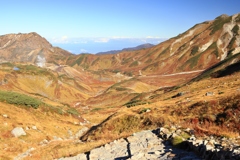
{"x": 5, "y": 115}
{"x": 18, "y": 131}
{"x": 209, "y": 94}
{"x": 34, "y": 127}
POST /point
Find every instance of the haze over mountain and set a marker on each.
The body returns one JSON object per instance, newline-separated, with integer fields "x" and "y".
{"x": 114, "y": 95}
{"x": 142, "y": 46}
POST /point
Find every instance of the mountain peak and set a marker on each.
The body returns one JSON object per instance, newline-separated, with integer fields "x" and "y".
{"x": 27, "y": 47}
{"x": 223, "y": 16}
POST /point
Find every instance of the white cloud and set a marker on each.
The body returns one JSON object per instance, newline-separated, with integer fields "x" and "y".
{"x": 83, "y": 51}
{"x": 118, "y": 37}
{"x": 86, "y": 40}
{"x": 63, "y": 39}
{"x": 102, "y": 40}
{"x": 151, "y": 37}
{"x": 81, "y": 42}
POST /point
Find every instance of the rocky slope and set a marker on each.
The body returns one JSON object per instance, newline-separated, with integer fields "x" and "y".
{"x": 163, "y": 143}
{"x": 198, "y": 48}
{"x": 28, "y": 48}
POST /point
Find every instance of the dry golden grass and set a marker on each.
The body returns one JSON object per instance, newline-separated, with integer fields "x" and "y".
{"x": 164, "y": 111}
{"x": 167, "y": 111}
{"x": 48, "y": 125}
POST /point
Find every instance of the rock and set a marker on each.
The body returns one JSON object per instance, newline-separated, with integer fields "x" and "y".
{"x": 148, "y": 145}
{"x": 178, "y": 94}
{"x": 5, "y": 115}
{"x": 18, "y": 131}
{"x": 81, "y": 132}
{"x": 178, "y": 131}
{"x": 209, "y": 147}
{"x": 25, "y": 154}
{"x": 209, "y": 94}
{"x": 148, "y": 110}
{"x": 113, "y": 150}
{"x": 57, "y": 138}
{"x": 193, "y": 138}
{"x": 34, "y": 127}
{"x": 43, "y": 142}
{"x": 70, "y": 133}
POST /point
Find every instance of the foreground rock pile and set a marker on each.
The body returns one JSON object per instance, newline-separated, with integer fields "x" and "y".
{"x": 158, "y": 144}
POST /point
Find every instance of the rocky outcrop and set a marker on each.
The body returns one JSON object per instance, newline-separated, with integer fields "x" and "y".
{"x": 161, "y": 144}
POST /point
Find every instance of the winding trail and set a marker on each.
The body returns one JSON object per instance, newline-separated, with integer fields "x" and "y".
{"x": 174, "y": 74}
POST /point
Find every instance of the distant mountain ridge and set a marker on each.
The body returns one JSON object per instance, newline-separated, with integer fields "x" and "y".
{"x": 28, "y": 48}
{"x": 199, "y": 48}
{"x": 142, "y": 46}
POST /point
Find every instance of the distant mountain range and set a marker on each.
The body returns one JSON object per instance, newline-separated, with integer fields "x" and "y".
{"x": 146, "y": 45}
{"x": 199, "y": 48}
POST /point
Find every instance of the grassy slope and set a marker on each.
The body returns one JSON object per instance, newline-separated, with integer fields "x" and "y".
{"x": 215, "y": 111}
{"x": 216, "y": 114}
{"x": 183, "y": 110}
{"x": 49, "y": 124}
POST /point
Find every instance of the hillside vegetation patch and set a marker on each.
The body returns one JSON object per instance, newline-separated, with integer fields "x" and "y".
{"x": 194, "y": 50}
{"x": 218, "y": 23}
{"x": 19, "y": 99}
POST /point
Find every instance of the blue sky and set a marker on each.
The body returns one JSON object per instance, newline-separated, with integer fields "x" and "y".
{"x": 101, "y": 25}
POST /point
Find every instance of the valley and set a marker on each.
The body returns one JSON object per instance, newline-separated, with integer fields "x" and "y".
{"x": 69, "y": 104}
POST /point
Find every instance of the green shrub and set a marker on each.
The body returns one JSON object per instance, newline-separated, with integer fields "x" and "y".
{"x": 238, "y": 18}
{"x": 54, "y": 109}
{"x": 144, "y": 110}
{"x": 95, "y": 61}
{"x": 176, "y": 141}
{"x": 194, "y": 50}
{"x": 96, "y": 109}
{"x": 235, "y": 29}
{"x": 73, "y": 111}
{"x": 19, "y": 99}
{"x": 79, "y": 60}
{"x": 121, "y": 89}
{"x": 163, "y": 52}
{"x": 149, "y": 61}
{"x": 231, "y": 43}
{"x": 135, "y": 103}
{"x": 218, "y": 23}
{"x": 126, "y": 60}
{"x": 135, "y": 63}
